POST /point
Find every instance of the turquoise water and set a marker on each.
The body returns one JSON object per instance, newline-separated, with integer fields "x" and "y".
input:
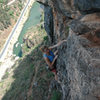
{"x": 34, "y": 19}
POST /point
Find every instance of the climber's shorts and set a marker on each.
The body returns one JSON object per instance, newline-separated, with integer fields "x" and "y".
{"x": 54, "y": 71}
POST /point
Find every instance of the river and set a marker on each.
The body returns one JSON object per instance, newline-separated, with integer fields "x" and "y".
{"x": 33, "y": 19}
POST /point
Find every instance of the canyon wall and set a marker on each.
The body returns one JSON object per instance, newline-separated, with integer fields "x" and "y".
{"x": 78, "y": 64}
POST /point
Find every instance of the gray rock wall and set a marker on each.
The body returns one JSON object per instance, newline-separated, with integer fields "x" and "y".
{"x": 78, "y": 63}
{"x": 87, "y": 6}
{"x": 48, "y": 22}
{"x": 79, "y": 69}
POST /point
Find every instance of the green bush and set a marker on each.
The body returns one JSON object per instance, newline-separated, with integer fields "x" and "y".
{"x": 45, "y": 38}
{"x": 14, "y": 6}
{"x": 56, "y": 95}
{"x": 11, "y": 12}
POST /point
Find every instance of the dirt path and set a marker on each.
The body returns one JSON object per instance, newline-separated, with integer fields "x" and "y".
{"x": 33, "y": 82}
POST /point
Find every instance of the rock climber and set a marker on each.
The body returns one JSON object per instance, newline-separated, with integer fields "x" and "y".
{"x": 51, "y": 57}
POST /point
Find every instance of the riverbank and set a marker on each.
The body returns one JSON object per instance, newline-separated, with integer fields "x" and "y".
{"x": 33, "y": 20}
{"x": 8, "y": 60}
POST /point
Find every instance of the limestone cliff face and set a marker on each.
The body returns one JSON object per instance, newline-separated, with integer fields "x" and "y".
{"x": 78, "y": 63}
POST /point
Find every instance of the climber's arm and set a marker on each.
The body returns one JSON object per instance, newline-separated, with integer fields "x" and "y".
{"x": 58, "y": 44}
{"x": 56, "y": 52}
{"x": 49, "y": 63}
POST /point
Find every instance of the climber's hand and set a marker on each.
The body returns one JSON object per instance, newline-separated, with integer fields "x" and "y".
{"x": 56, "y": 52}
{"x": 56, "y": 56}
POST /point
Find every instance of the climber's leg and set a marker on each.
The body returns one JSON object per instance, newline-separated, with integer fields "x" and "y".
{"x": 55, "y": 73}
{"x": 56, "y": 77}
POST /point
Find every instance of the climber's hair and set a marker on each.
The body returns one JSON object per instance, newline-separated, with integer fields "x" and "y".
{"x": 42, "y": 48}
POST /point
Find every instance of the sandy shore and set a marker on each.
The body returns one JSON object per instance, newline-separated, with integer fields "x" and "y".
{"x": 7, "y": 61}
